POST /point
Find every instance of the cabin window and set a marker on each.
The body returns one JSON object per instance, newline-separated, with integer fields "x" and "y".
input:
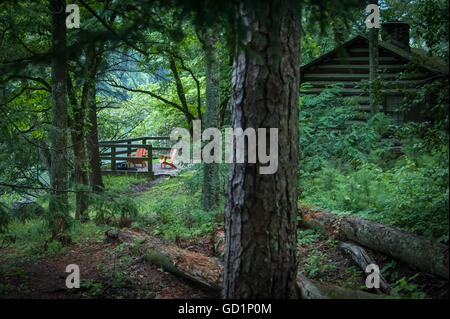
{"x": 393, "y": 107}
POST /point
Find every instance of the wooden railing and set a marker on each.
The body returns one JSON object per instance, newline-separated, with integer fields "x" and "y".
{"x": 117, "y": 153}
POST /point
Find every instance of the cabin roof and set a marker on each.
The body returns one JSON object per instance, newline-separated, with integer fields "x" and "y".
{"x": 416, "y": 56}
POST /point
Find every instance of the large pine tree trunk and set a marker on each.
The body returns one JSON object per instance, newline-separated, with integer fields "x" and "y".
{"x": 58, "y": 205}
{"x": 260, "y": 217}
{"x": 211, "y": 185}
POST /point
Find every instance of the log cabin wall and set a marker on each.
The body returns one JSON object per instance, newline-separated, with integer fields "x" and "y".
{"x": 349, "y": 65}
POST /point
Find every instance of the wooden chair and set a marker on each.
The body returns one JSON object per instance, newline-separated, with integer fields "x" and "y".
{"x": 168, "y": 159}
{"x": 140, "y": 152}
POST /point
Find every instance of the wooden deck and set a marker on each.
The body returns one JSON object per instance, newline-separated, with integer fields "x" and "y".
{"x": 120, "y": 151}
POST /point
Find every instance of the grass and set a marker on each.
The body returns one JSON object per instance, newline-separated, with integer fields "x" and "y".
{"x": 121, "y": 183}
{"x": 176, "y": 205}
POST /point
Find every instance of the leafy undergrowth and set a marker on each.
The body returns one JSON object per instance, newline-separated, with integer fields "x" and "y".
{"x": 355, "y": 170}
{"x": 32, "y": 266}
{"x": 107, "y": 269}
{"x": 172, "y": 209}
{"x": 322, "y": 260}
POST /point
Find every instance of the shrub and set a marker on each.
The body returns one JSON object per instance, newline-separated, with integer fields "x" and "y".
{"x": 356, "y": 171}
{"x": 176, "y": 206}
{"x": 107, "y": 205}
{"x": 4, "y": 218}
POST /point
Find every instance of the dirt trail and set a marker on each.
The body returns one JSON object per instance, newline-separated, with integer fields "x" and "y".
{"x": 107, "y": 270}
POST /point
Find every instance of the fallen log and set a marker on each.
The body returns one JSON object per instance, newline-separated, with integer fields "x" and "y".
{"x": 414, "y": 250}
{"x": 310, "y": 290}
{"x": 313, "y": 290}
{"x": 362, "y": 258}
{"x": 196, "y": 267}
{"x": 208, "y": 271}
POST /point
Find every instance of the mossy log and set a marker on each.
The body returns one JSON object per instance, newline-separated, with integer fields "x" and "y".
{"x": 196, "y": 267}
{"x": 208, "y": 271}
{"x": 414, "y": 250}
{"x": 362, "y": 258}
{"x": 312, "y": 290}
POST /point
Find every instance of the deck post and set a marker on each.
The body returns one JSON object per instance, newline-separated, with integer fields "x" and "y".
{"x": 129, "y": 149}
{"x": 113, "y": 158}
{"x": 150, "y": 160}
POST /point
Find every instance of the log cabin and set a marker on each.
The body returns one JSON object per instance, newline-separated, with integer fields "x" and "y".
{"x": 401, "y": 70}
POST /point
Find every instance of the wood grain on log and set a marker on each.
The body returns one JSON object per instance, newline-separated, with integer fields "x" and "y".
{"x": 362, "y": 258}
{"x": 414, "y": 250}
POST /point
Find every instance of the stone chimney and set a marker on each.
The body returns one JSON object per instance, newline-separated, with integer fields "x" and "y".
{"x": 396, "y": 33}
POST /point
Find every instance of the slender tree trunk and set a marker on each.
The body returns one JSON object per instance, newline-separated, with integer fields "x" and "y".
{"x": 211, "y": 185}
{"x": 180, "y": 92}
{"x": 58, "y": 205}
{"x": 260, "y": 217}
{"x": 373, "y": 66}
{"x": 95, "y": 174}
{"x": 77, "y": 128}
{"x": 94, "y": 55}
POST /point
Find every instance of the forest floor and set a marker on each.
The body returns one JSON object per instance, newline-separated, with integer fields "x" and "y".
{"x": 107, "y": 270}
{"x": 110, "y": 269}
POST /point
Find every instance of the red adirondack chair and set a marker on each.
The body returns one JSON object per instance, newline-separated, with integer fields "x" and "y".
{"x": 140, "y": 152}
{"x": 168, "y": 159}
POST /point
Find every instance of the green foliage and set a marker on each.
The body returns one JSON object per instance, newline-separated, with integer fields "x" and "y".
{"x": 405, "y": 287}
{"x": 4, "y": 218}
{"x": 428, "y": 20}
{"x": 355, "y": 170}
{"x": 24, "y": 210}
{"x": 307, "y": 236}
{"x": 175, "y": 205}
{"x": 110, "y": 204}
{"x": 84, "y": 232}
{"x": 93, "y": 289}
{"x": 120, "y": 184}
{"x": 354, "y": 275}
{"x": 27, "y": 238}
{"x": 319, "y": 265}
{"x": 55, "y": 248}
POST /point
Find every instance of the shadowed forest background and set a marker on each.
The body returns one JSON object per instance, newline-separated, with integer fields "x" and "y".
{"x": 360, "y": 179}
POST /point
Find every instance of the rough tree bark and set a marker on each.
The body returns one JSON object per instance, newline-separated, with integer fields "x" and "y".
{"x": 373, "y": 66}
{"x": 211, "y": 185}
{"x": 94, "y": 56}
{"x": 425, "y": 254}
{"x": 260, "y": 217}
{"x": 58, "y": 205}
{"x": 95, "y": 174}
{"x": 77, "y": 128}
